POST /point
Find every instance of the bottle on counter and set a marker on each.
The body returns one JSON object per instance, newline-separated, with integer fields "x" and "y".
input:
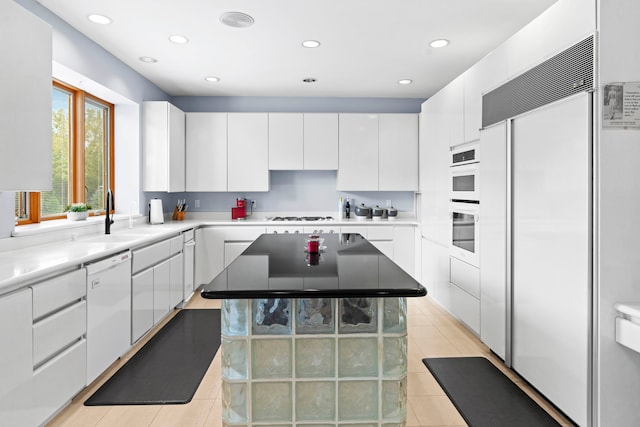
{"x": 340, "y": 209}
{"x": 347, "y": 209}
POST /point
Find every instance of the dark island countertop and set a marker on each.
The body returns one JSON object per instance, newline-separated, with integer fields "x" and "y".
{"x": 278, "y": 265}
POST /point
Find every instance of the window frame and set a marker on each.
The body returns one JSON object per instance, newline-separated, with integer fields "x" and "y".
{"x": 76, "y": 155}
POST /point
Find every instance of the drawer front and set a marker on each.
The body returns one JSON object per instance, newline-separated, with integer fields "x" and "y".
{"x": 176, "y": 244}
{"x": 55, "y": 332}
{"x": 466, "y": 276}
{"x": 153, "y": 254}
{"x": 380, "y": 233}
{"x": 243, "y": 234}
{"x": 188, "y": 235}
{"x": 58, "y": 380}
{"x": 465, "y": 307}
{"x": 354, "y": 229}
{"x": 60, "y": 291}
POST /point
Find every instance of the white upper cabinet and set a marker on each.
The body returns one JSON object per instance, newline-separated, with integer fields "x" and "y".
{"x": 321, "y": 141}
{"x": 164, "y": 147}
{"x": 300, "y": 141}
{"x": 286, "y": 141}
{"x": 248, "y": 152}
{"x": 378, "y": 152}
{"x": 452, "y": 104}
{"x": 206, "y": 146}
{"x": 25, "y": 105}
{"x": 358, "y": 152}
{"x": 398, "y": 152}
{"x": 483, "y": 77}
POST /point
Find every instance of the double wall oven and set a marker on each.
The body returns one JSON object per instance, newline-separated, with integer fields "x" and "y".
{"x": 465, "y": 203}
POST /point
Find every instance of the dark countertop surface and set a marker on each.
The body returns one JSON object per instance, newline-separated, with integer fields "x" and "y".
{"x": 278, "y": 265}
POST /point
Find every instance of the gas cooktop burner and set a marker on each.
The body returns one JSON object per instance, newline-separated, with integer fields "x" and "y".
{"x": 302, "y": 218}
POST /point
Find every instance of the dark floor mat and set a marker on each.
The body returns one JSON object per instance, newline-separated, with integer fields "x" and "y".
{"x": 484, "y": 396}
{"x": 169, "y": 368}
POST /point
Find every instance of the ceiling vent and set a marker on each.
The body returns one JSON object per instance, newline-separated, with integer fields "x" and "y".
{"x": 236, "y": 19}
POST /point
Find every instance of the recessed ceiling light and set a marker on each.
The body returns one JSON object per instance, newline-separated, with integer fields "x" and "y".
{"x": 148, "y": 59}
{"x": 309, "y": 80}
{"x": 178, "y": 39}
{"x": 311, "y": 43}
{"x": 236, "y": 19}
{"x": 405, "y": 81}
{"x": 99, "y": 19}
{"x": 212, "y": 79}
{"x": 439, "y": 43}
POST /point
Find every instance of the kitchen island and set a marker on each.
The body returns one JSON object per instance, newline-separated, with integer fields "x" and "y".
{"x": 311, "y": 338}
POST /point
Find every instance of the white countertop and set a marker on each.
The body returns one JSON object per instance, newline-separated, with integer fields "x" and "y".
{"x": 30, "y": 256}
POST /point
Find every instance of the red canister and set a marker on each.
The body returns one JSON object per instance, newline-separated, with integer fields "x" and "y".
{"x": 313, "y": 244}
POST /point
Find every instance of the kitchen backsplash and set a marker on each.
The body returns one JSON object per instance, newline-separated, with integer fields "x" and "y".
{"x": 291, "y": 191}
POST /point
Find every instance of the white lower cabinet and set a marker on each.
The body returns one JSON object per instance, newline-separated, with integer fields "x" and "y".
{"x": 142, "y": 304}
{"x": 404, "y": 248}
{"x": 464, "y": 293}
{"x": 232, "y": 250}
{"x": 161, "y": 290}
{"x": 176, "y": 291}
{"x": 237, "y": 239}
{"x": 465, "y": 307}
{"x": 395, "y": 241}
{"x": 209, "y": 254}
{"x": 58, "y": 380}
{"x": 16, "y": 362}
{"x": 435, "y": 271}
{"x": 59, "y": 342}
{"x": 156, "y": 284}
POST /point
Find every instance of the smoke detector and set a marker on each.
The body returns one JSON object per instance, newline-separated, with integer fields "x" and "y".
{"x": 236, "y": 19}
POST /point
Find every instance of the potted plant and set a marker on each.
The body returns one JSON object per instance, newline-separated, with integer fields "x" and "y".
{"x": 78, "y": 211}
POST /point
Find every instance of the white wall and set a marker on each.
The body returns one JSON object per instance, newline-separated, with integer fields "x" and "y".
{"x": 619, "y": 190}
{"x": 560, "y": 26}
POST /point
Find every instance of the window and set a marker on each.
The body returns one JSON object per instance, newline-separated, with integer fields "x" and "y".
{"x": 82, "y": 157}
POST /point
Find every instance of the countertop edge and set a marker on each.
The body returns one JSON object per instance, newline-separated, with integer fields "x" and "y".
{"x": 12, "y": 280}
{"x": 314, "y": 293}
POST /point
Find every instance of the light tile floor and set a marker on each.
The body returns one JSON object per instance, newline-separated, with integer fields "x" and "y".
{"x": 433, "y": 332}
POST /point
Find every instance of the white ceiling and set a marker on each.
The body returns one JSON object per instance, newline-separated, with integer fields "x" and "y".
{"x": 367, "y": 45}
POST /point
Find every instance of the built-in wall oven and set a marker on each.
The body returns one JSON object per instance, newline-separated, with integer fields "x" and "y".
{"x": 465, "y": 165}
{"x": 465, "y": 230}
{"x": 465, "y": 203}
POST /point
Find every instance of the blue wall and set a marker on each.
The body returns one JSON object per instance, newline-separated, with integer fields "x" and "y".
{"x": 291, "y": 191}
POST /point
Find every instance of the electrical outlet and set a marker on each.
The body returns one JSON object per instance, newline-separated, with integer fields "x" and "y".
{"x": 196, "y": 203}
{"x": 388, "y": 203}
{"x": 253, "y": 204}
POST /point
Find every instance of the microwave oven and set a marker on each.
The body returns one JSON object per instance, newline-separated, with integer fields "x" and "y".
{"x": 464, "y": 180}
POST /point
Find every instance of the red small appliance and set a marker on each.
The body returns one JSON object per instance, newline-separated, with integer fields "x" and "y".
{"x": 240, "y": 211}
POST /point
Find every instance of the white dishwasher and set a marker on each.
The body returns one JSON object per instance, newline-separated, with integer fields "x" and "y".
{"x": 108, "y": 312}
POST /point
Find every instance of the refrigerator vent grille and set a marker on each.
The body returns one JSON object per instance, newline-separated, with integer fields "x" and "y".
{"x": 569, "y": 72}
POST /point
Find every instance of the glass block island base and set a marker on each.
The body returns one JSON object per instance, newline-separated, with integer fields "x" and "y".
{"x": 314, "y": 362}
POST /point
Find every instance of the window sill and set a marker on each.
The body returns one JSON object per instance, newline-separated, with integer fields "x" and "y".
{"x": 55, "y": 225}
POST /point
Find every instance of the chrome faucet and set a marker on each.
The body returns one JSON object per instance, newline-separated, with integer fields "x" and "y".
{"x": 108, "y": 221}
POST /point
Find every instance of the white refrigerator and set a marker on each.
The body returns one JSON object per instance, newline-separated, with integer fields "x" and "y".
{"x": 551, "y": 251}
